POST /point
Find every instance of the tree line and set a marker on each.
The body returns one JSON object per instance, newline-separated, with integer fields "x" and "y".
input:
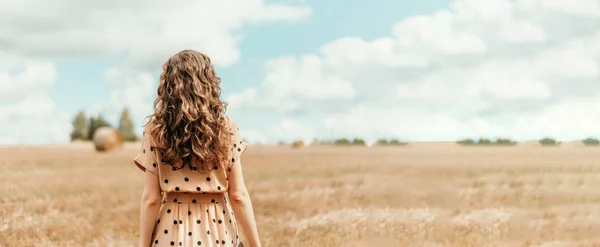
{"x": 546, "y": 141}
{"x": 84, "y": 128}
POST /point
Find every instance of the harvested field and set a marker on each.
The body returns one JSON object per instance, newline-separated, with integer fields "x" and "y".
{"x": 415, "y": 195}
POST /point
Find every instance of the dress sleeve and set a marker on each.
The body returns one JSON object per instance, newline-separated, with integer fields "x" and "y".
{"x": 146, "y": 159}
{"x": 238, "y": 144}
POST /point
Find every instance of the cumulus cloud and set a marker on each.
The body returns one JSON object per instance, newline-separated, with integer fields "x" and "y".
{"x": 35, "y": 34}
{"x": 521, "y": 69}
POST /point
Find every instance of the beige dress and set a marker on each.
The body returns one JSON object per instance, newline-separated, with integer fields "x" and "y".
{"x": 195, "y": 209}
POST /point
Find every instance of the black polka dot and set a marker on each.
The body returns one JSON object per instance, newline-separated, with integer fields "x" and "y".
{"x": 234, "y": 145}
{"x": 222, "y": 241}
{"x": 156, "y": 241}
{"x": 208, "y": 232}
{"x": 175, "y": 222}
{"x": 166, "y": 181}
{"x": 176, "y": 188}
{"x": 194, "y": 201}
{"x": 186, "y": 179}
{"x": 180, "y": 222}
{"x": 218, "y": 187}
{"x": 217, "y": 241}
{"x": 172, "y": 243}
{"x": 220, "y": 221}
{"x": 239, "y": 149}
{"x": 168, "y": 211}
{"x": 151, "y": 148}
{"x": 199, "y": 243}
{"x": 229, "y": 169}
{"x": 207, "y": 210}
{"x": 158, "y": 221}
{"x": 223, "y": 211}
{"x": 175, "y": 200}
{"x": 214, "y": 221}
{"x": 173, "y": 168}
{"x": 198, "y": 188}
{"x": 232, "y": 160}
{"x": 230, "y": 221}
{"x": 154, "y": 164}
{"x": 207, "y": 178}
{"x": 213, "y": 200}
{"x": 166, "y": 231}
{"x": 198, "y": 221}
{"x": 215, "y": 167}
{"x": 189, "y": 233}
{"x": 180, "y": 243}
{"x": 231, "y": 241}
{"x": 144, "y": 151}
{"x": 189, "y": 212}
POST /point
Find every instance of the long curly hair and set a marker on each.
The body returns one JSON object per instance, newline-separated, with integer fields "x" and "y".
{"x": 189, "y": 123}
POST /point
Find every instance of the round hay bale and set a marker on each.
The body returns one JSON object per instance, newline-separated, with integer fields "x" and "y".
{"x": 298, "y": 144}
{"x": 573, "y": 144}
{"x": 107, "y": 139}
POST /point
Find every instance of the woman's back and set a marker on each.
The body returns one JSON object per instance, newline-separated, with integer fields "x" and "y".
{"x": 190, "y": 154}
{"x": 195, "y": 209}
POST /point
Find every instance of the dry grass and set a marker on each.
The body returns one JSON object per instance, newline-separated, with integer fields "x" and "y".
{"x": 418, "y": 195}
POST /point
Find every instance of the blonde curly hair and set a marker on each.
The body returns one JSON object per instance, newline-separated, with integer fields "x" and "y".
{"x": 189, "y": 123}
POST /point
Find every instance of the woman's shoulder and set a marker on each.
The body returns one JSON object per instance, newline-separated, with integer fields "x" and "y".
{"x": 231, "y": 123}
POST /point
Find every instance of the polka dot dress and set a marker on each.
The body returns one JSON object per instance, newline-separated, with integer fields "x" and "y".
{"x": 195, "y": 210}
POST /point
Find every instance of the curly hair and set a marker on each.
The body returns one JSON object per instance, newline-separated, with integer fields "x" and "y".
{"x": 189, "y": 123}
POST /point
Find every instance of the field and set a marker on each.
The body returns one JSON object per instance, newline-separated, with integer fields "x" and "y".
{"x": 417, "y": 195}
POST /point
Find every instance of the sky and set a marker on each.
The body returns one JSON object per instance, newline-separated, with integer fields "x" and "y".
{"x": 428, "y": 70}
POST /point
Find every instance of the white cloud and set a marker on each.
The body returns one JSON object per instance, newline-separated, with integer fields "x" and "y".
{"x": 286, "y": 130}
{"x": 35, "y": 120}
{"x": 37, "y": 33}
{"x": 521, "y": 69}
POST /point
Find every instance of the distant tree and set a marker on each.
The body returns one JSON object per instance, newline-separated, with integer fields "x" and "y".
{"x": 358, "y": 141}
{"x": 342, "y": 141}
{"x": 548, "y": 142}
{"x": 80, "y": 128}
{"x": 382, "y": 142}
{"x": 484, "y": 141}
{"x": 96, "y": 123}
{"x": 466, "y": 142}
{"x": 396, "y": 142}
{"x": 504, "y": 141}
{"x": 126, "y": 126}
{"x": 591, "y": 142}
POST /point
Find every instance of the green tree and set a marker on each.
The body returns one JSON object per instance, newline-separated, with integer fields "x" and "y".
{"x": 96, "y": 123}
{"x": 397, "y": 142}
{"x": 548, "y": 142}
{"x": 591, "y": 142}
{"x": 484, "y": 141}
{"x": 80, "y": 128}
{"x": 466, "y": 142}
{"x": 342, "y": 141}
{"x": 504, "y": 142}
{"x": 358, "y": 141}
{"x": 382, "y": 142}
{"x": 126, "y": 126}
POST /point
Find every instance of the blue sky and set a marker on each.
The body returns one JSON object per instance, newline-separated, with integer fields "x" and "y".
{"x": 366, "y": 19}
{"x": 430, "y": 70}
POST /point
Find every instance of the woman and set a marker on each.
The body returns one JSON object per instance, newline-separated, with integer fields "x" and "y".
{"x": 190, "y": 153}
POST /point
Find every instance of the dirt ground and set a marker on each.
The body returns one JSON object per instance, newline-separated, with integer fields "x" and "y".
{"x": 415, "y": 195}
